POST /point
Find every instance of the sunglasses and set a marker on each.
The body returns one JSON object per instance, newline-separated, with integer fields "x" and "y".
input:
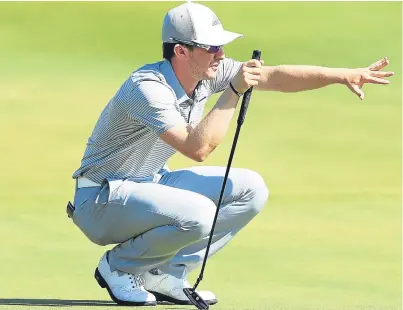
{"x": 209, "y": 48}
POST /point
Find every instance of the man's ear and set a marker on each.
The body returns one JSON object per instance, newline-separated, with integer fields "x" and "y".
{"x": 180, "y": 51}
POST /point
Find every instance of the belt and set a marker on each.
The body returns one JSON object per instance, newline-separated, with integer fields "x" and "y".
{"x": 84, "y": 182}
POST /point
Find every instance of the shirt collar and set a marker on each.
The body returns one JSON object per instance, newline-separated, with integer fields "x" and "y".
{"x": 170, "y": 76}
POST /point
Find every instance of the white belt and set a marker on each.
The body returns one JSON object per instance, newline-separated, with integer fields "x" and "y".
{"x": 84, "y": 182}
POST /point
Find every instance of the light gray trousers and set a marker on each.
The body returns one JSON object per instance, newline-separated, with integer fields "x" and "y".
{"x": 166, "y": 225}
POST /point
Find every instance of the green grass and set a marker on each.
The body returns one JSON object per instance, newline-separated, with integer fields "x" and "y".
{"x": 330, "y": 236}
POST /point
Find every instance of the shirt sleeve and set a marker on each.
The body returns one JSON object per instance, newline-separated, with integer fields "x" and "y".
{"x": 154, "y": 105}
{"x": 227, "y": 70}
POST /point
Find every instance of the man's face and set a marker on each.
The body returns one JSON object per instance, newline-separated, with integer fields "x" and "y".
{"x": 203, "y": 64}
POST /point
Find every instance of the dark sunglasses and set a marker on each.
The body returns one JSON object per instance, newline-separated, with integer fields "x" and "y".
{"x": 209, "y": 48}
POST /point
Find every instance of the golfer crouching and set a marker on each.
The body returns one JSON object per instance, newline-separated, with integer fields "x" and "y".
{"x": 160, "y": 220}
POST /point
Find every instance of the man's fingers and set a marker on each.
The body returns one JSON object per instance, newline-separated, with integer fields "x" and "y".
{"x": 251, "y": 79}
{"x": 253, "y": 70}
{"x": 254, "y": 63}
{"x": 357, "y": 90}
{"x": 253, "y": 82}
{"x": 381, "y": 73}
{"x": 375, "y": 80}
{"x": 249, "y": 76}
{"x": 369, "y": 75}
{"x": 378, "y": 65}
{"x": 381, "y": 63}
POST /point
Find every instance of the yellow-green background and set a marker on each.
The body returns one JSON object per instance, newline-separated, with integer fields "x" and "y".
{"x": 330, "y": 236}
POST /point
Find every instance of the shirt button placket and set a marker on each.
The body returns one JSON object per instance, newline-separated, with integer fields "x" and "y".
{"x": 190, "y": 105}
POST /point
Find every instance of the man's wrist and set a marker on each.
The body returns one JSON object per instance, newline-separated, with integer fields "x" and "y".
{"x": 239, "y": 94}
{"x": 338, "y": 75}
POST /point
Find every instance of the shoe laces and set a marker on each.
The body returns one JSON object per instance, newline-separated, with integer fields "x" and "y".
{"x": 137, "y": 280}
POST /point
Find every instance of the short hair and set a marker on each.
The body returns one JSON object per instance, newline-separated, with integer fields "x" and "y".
{"x": 168, "y": 50}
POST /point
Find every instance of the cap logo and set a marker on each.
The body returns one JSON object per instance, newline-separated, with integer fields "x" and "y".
{"x": 216, "y": 21}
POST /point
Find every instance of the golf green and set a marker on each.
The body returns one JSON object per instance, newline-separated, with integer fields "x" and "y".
{"x": 330, "y": 235}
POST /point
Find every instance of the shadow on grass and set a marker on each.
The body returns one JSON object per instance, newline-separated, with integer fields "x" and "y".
{"x": 67, "y": 303}
{"x": 54, "y": 302}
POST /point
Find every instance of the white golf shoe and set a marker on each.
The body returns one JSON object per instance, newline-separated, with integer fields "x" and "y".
{"x": 124, "y": 288}
{"x": 167, "y": 288}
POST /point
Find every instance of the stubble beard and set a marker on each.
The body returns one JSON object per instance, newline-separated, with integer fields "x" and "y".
{"x": 199, "y": 74}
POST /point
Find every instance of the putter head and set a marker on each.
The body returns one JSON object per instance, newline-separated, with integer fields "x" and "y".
{"x": 195, "y": 298}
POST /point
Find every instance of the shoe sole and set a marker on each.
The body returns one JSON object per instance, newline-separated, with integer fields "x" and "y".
{"x": 102, "y": 283}
{"x": 161, "y": 298}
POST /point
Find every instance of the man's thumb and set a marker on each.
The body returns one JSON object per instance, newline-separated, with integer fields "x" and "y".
{"x": 357, "y": 90}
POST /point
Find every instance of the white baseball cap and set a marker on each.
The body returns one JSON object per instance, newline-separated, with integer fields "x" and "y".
{"x": 196, "y": 23}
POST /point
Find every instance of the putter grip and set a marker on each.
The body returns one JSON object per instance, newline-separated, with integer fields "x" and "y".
{"x": 246, "y": 96}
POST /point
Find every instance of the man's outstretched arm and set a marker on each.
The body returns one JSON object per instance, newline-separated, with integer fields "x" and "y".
{"x": 295, "y": 78}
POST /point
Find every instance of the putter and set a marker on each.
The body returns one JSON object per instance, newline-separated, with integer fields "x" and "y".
{"x": 191, "y": 293}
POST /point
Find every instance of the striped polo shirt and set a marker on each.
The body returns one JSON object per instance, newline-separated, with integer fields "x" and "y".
{"x": 125, "y": 142}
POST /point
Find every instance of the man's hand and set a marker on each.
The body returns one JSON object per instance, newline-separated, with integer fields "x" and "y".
{"x": 356, "y": 78}
{"x": 249, "y": 75}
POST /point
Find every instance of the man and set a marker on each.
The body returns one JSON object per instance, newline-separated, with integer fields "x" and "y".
{"x": 159, "y": 219}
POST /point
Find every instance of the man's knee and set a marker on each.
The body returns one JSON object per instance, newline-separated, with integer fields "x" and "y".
{"x": 254, "y": 190}
{"x": 198, "y": 224}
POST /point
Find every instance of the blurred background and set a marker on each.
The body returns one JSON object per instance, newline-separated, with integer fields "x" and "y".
{"x": 330, "y": 235}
